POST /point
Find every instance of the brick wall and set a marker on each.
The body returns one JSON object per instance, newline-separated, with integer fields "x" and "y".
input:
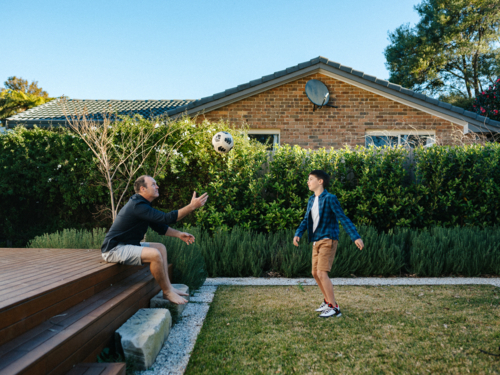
{"x": 288, "y": 109}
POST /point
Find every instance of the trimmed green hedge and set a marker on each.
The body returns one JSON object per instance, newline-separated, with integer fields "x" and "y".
{"x": 48, "y": 181}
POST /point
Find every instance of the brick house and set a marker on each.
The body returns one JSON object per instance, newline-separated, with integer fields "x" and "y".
{"x": 276, "y": 108}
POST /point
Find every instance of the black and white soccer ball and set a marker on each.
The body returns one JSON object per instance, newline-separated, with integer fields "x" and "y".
{"x": 223, "y": 142}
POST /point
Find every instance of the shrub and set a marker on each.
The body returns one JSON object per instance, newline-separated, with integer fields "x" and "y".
{"x": 188, "y": 263}
{"x": 242, "y": 253}
{"x": 70, "y": 239}
{"x": 487, "y": 103}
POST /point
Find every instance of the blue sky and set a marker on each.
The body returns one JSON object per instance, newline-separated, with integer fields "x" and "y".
{"x": 154, "y": 49}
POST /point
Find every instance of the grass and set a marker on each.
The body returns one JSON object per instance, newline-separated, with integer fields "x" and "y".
{"x": 383, "y": 330}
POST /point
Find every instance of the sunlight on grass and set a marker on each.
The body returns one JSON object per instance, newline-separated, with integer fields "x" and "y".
{"x": 385, "y": 330}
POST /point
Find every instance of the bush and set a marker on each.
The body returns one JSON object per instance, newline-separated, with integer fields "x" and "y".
{"x": 242, "y": 253}
{"x": 487, "y": 103}
{"x": 382, "y": 188}
{"x": 188, "y": 263}
{"x": 70, "y": 239}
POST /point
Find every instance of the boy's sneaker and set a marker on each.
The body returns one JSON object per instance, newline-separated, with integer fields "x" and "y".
{"x": 331, "y": 311}
{"x": 322, "y": 307}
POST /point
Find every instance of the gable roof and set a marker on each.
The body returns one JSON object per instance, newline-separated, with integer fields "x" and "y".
{"x": 53, "y": 113}
{"x": 472, "y": 121}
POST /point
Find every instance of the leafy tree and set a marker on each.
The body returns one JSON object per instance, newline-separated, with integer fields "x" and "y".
{"x": 452, "y": 49}
{"x": 488, "y": 102}
{"x": 457, "y": 99}
{"x": 19, "y": 96}
{"x": 12, "y": 102}
{"x": 22, "y": 85}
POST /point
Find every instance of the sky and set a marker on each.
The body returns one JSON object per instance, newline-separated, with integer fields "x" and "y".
{"x": 162, "y": 49}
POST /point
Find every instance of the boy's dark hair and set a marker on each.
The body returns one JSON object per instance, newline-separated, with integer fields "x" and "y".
{"x": 321, "y": 175}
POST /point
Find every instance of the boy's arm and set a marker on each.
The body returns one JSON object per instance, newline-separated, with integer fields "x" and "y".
{"x": 301, "y": 229}
{"x": 346, "y": 222}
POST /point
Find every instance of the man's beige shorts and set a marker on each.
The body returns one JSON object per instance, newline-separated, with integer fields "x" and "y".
{"x": 324, "y": 254}
{"x": 125, "y": 254}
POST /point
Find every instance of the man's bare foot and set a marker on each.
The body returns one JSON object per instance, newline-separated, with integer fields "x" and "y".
{"x": 174, "y": 298}
{"x": 179, "y": 292}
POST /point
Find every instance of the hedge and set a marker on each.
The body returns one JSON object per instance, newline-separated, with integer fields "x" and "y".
{"x": 49, "y": 181}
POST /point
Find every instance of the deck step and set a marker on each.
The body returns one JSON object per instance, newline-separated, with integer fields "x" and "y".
{"x": 36, "y": 284}
{"x": 98, "y": 369}
{"x": 79, "y": 333}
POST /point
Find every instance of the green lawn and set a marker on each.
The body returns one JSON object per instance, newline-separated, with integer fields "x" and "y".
{"x": 383, "y": 330}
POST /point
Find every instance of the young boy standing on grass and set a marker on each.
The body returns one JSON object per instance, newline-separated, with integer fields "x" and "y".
{"x": 321, "y": 222}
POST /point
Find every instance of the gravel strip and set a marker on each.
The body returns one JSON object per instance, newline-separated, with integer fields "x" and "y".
{"x": 174, "y": 356}
{"x": 358, "y": 281}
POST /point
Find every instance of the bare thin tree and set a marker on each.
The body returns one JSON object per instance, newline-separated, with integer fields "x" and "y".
{"x": 121, "y": 153}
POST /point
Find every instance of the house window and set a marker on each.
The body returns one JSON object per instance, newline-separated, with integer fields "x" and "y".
{"x": 405, "y": 138}
{"x": 268, "y": 137}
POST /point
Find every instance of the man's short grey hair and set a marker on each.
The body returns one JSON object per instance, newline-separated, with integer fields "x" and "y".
{"x": 141, "y": 181}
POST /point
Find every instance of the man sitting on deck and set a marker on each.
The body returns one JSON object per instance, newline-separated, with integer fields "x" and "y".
{"x": 122, "y": 242}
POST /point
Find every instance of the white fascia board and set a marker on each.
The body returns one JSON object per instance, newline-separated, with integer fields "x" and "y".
{"x": 263, "y": 131}
{"x": 402, "y": 131}
{"x": 394, "y": 97}
{"x": 251, "y": 91}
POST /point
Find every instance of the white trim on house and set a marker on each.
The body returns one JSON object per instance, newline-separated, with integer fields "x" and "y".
{"x": 431, "y": 140}
{"x": 402, "y": 131}
{"x": 275, "y": 132}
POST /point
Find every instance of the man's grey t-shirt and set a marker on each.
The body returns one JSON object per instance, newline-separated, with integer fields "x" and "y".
{"x": 133, "y": 220}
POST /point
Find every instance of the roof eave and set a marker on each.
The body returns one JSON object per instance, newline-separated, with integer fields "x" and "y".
{"x": 364, "y": 81}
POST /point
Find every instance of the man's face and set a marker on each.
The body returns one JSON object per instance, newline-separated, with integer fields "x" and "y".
{"x": 151, "y": 191}
{"x": 313, "y": 182}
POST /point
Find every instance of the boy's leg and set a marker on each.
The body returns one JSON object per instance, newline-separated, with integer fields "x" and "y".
{"x": 326, "y": 287}
{"x": 315, "y": 274}
{"x": 326, "y": 250}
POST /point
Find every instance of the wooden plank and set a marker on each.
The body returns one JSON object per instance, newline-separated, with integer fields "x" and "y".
{"x": 44, "y": 264}
{"x": 49, "y": 260}
{"x": 26, "y": 316}
{"x": 115, "y": 369}
{"x": 71, "y": 315}
{"x": 51, "y": 271}
{"x": 94, "y": 338}
{"x": 57, "y": 291}
{"x": 26, "y": 258}
{"x": 104, "y": 368}
{"x": 22, "y": 294}
{"x": 84, "y": 329}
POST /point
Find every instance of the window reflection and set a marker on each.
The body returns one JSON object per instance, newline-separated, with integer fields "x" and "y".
{"x": 405, "y": 140}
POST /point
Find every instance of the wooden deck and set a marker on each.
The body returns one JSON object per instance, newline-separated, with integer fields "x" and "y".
{"x": 60, "y": 307}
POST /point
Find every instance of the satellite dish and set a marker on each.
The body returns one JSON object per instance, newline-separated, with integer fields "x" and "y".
{"x": 318, "y": 94}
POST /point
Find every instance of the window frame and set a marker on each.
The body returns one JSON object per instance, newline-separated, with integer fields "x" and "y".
{"x": 275, "y": 132}
{"x": 399, "y": 133}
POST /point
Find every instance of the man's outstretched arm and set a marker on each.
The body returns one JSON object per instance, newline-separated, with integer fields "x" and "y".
{"x": 186, "y": 237}
{"x": 195, "y": 203}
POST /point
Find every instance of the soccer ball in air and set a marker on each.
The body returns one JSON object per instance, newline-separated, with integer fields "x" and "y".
{"x": 223, "y": 142}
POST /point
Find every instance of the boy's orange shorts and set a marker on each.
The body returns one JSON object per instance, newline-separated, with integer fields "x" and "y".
{"x": 323, "y": 254}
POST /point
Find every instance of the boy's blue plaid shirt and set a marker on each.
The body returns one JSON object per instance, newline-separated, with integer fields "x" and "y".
{"x": 330, "y": 213}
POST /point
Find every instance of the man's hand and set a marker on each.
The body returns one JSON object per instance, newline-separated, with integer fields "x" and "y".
{"x": 359, "y": 243}
{"x": 296, "y": 240}
{"x": 198, "y": 202}
{"x": 186, "y": 237}
{"x": 195, "y": 203}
